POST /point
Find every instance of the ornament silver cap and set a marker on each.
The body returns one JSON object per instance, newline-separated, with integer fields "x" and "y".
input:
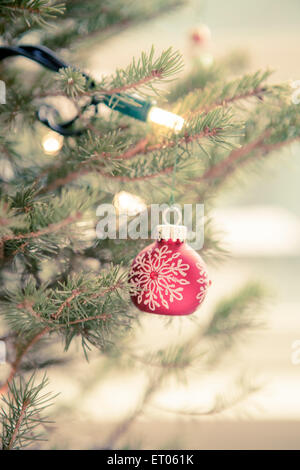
{"x": 171, "y": 232}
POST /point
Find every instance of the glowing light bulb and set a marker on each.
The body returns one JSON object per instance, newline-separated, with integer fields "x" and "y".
{"x": 130, "y": 204}
{"x": 207, "y": 60}
{"x": 165, "y": 118}
{"x": 52, "y": 143}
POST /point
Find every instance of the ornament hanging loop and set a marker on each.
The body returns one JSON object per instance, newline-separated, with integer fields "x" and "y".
{"x": 174, "y": 210}
{"x": 169, "y": 231}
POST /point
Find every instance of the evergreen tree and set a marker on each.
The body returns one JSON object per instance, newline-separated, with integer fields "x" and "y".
{"x": 47, "y": 204}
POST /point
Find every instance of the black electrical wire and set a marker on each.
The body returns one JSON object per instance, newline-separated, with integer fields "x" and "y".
{"x": 130, "y": 105}
{"x": 40, "y": 54}
{"x": 47, "y": 114}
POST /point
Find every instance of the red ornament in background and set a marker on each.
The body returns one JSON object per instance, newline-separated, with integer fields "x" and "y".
{"x": 168, "y": 277}
{"x": 201, "y": 36}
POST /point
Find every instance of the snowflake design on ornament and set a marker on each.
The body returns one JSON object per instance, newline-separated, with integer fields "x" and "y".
{"x": 155, "y": 275}
{"x": 204, "y": 283}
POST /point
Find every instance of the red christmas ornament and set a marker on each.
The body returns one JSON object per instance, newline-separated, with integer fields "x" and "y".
{"x": 201, "y": 36}
{"x": 168, "y": 277}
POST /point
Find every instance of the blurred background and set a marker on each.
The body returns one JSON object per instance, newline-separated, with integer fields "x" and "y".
{"x": 259, "y": 217}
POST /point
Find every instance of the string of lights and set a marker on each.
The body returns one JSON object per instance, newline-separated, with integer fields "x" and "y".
{"x": 130, "y": 105}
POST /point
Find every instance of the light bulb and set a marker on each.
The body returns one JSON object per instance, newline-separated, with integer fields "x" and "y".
{"x": 165, "y": 118}
{"x": 130, "y": 204}
{"x": 207, "y": 60}
{"x": 52, "y": 143}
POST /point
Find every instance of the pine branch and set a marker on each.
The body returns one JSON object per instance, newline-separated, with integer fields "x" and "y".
{"x": 232, "y": 317}
{"x": 173, "y": 358}
{"x": 14, "y": 238}
{"x": 224, "y": 166}
{"x": 9, "y": 219}
{"x": 221, "y": 402}
{"x": 17, "y": 363}
{"x": 20, "y": 415}
{"x": 127, "y": 179}
{"x": 202, "y": 76}
{"x": 230, "y": 93}
{"x": 143, "y": 75}
{"x": 18, "y": 424}
{"x": 85, "y": 305}
{"x": 140, "y": 74}
{"x": 271, "y": 134}
{"x": 255, "y": 148}
{"x": 59, "y": 182}
{"x": 43, "y": 221}
{"x": 101, "y": 20}
{"x": 139, "y": 148}
{"x": 31, "y": 11}
{"x": 66, "y": 303}
{"x": 52, "y": 228}
{"x": 28, "y": 305}
{"x": 215, "y": 126}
